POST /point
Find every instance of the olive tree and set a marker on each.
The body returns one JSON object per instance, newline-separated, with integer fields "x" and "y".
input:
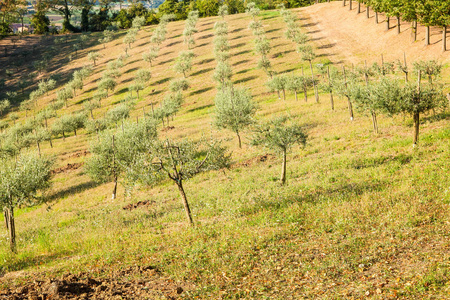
{"x": 113, "y": 152}
{"x": 280, "y": 137}
{"x": 93, "y": 56}
{"x": 151, "y": 55}
{"x": 4, "y": 106}
{"x": 307, "y": 54}
{"x": 178, "y": 161}
{"x": 234, "y": 110}
{"x": 23, "y": 182}
{"x": 184, "y": 62}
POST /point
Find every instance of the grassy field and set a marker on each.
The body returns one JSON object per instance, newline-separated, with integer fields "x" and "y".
{"x": 362, "y": 215}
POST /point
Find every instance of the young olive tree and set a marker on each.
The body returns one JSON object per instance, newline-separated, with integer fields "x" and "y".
{"x": 113, "y": 152}
{"x": 419, "y": 100}
{"x": 278, "y": 83}
{"x": 307, "y": 54}
{"x": 280, "y": 137}
{"x": 299, "y": 83}
{"x": 151, "y": 55}
{"x": 223, "y": 11}
{"x": 107, "y": 37}
{"x": 184, "y": 62}
{"x": 94, "y": 56}
{"x": 4, "y": 106}
{"x": 23, "y": 182}
{"x": 178, "y": 85}
{"x": 178, "y": 161}
{"x": 234, "y": 110}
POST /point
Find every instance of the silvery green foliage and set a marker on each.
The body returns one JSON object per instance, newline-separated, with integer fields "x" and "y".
{"x": 67, "y": 123}
{"x": 256, "y": 27}
{"x": 43, "y": 87}
{"x": 95, "y": 126}
{"x": 252, "y": 10}
{"x": 234, "y": 110}
{"x": 118, "y": 113}
{"x": 22, "y": 180}
{"x": 45, "y": 114}
{"x": 138, "y": 22}
{"x": 107, "y": 84}
{"x": 111, "y": 159}
{"x": 170, "y": 105}
{"x": 177, "y": 160}
{"x": 299, "y": 83}
{"x": 278, "y": 83}
{"x": 4, "y": 106}
{"x": 178, "y": 85}
{"x": 15, "y": 139}
{"x": 279, "y": 136}
{"x": 430, "y": 68}
{"x": 107, "y": 37}
{"x": 151, "y": 55}
{"x": 221, "y": 28}
{"x": 221, "y": 44}
{"x": 183, "y": 63}
{"x": 223, "y": 11}
{"x": 222, "y": 73}
{"x": 93, "y": 56}
{"x": 130, "y": 37}
{"x": 307, "y": 52}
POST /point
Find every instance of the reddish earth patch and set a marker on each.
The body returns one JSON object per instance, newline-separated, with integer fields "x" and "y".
{"x": 150, "y": 284}
{"x": 168, "y": 128}
{"x": 66, "y": 168}
{"x": 132, "y": 206}
{"x": 254, "y": 160}
{"x": 80, "y": 153}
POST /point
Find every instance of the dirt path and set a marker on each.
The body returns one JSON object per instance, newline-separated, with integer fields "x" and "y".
{"x": 345, "y": 36}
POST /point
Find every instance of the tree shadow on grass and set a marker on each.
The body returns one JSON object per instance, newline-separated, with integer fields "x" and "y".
{"x": 200, "y": 108}
{"x": 201, "y": 91}
{"x": 246, "y": 79}
{"x": 173, "y": 44}
{"x": 166, "y": 61}
{"x": 205, "y": 36}
{"x": 339, "y": 192}
{"x": 131, "y": 70}
{"x": 281, "y": 53}
{"x": 242, "y": 52}
{"x": 241, "y": 62}
{"x": 205, "y": 61}
{"x": 237, "y": 37}
{"x": 25, "y": 261}
{"x": 202, "y": 71}
{"x": 166, "y": 53}
{"x": 313, "y": 31}
{"x": 327, "y": 46}
{"x": 237, "y": 30}
{"x": 161, "y": 81}
{"x": 273, "y": 30}
{"x": 244, "y": 71}
{"x": 238, "y": 45}
{"x": 202, "y": 45}
{"x": 72, "y": 190}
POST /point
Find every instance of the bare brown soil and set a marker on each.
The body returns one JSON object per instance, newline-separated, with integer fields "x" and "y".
{"x": 146, "y": 283}
{"x": 66, "y": 168}
{"x": 139, "y": 204}
{"x": 347, "y": 37}
{"x": 252, "y": 161}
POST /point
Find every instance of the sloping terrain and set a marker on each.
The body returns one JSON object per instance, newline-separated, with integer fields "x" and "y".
{"x": 362, "y": 214}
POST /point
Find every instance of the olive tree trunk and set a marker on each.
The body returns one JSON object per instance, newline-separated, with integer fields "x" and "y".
{"x": 444, "y": 38}
{"x": 416, "y": 128}
{"x": 11, "y": 228}
{"x": 283, "y": 168}
{"x": 427, "y": 35}
{"x": 239, "y": 138}
{"x": 185, "y": 202}
{"x": 398, "y": 25}
{"x": 316, "y": 92}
